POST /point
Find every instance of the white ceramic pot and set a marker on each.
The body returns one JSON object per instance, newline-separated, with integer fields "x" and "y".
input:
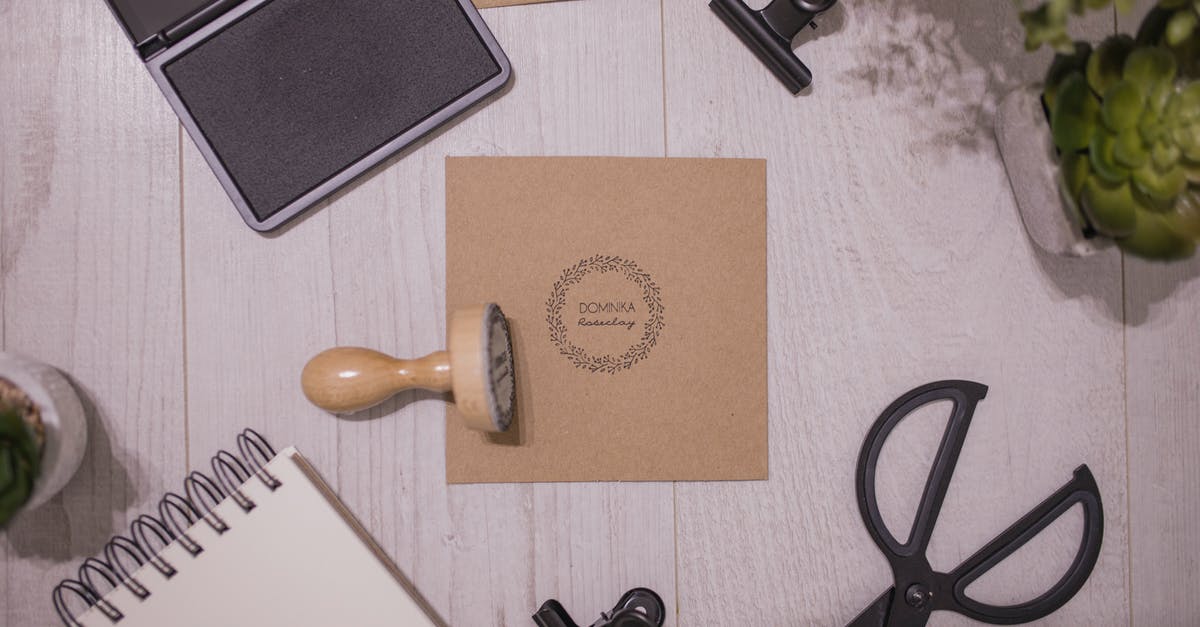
{"x": 63, "y": 417}
{"x": 1050, "y": 216}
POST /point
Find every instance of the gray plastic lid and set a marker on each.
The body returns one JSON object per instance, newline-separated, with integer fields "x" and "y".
{"x": 145, "y": 19}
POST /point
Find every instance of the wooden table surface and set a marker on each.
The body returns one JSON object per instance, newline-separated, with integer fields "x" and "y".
{"x": 896, "y": 255}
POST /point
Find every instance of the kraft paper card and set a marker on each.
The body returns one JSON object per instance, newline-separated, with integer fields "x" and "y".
{"x": 635, "y": 290}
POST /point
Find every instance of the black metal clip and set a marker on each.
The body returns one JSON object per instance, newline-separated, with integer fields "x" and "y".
{"x": 770, "y": 31}
{"x": 640, "y": 607}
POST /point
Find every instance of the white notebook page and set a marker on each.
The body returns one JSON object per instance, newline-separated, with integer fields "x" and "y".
{"x": 297, "y": 558}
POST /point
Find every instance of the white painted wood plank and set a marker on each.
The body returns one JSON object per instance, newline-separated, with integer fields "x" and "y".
{"x": 1163, "y": 382}
{"x": 257, "y": 308}
{"x": 587, "y": 82}
{"x": 90, "y": 275}
{"x": 1163, "y": 387}
{"x": 897, "y": 258}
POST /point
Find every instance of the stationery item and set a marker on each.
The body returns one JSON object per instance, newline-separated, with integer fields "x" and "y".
{"x": 636, "y": 294}
{"x": 640, "y": 607}
{"x": 289, "y": 100}
{"x": 261, "y": 541}
{"x": 487, "y": 4}
{"x": 769, "y": 32}
{"x": 919, "y": 590}
{"x": 478, "y": 368}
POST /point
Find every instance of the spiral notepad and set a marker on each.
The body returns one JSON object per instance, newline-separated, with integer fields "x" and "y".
{"x": 261, "y": 541}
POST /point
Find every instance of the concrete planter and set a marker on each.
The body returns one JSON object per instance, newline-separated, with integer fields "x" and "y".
{"x": 1051, "y": 217}
{"x": 63, "y": 417}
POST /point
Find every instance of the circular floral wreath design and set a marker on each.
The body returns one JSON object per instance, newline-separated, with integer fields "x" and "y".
{"x": 603, "y": 264}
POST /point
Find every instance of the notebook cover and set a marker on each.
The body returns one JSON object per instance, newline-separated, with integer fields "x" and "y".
{"x": 297, "y": 558}
{"x": 636, "y": 294}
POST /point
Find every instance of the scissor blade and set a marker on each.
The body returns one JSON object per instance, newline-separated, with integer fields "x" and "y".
{"x": 876, "y": 614}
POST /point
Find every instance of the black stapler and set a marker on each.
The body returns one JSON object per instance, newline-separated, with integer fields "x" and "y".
{"x": 769, "y": 33}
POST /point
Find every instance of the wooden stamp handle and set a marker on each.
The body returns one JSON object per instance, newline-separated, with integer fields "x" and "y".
{"x": 346, "y": 380}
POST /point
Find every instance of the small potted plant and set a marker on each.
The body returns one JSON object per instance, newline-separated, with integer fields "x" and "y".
{"x": 1107, "y": 149}
{"x": 43, "y": 434}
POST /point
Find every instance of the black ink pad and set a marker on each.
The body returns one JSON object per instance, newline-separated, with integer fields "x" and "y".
{"x": 289, "y": 100}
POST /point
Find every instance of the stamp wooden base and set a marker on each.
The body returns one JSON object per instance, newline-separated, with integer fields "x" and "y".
{"x": 478, "y": 369}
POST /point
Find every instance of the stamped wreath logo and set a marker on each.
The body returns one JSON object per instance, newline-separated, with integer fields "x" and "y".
{"x": 607, "y": 363}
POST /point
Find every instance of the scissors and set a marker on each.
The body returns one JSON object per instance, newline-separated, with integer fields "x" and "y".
{"x": 919, "y": 590}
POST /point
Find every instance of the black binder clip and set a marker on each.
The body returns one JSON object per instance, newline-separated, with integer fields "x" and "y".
{"x": 640, "y": 607}
{"x": 769, "y": 33}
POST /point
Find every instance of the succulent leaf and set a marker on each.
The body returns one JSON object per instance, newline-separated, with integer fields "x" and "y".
{"x": 20, "y": 459}
{"x": 1154, "y": 238}
{"x": 1159, "y": 97}
{"x": 1073, "y": 118}
{"x": 8, "y": 471}
{"x": 1192, "y": 168}
{"x": 1186, "y": 217}
{"x": 1061, "y": 67}
{"x": 1106, "y": 66}
{"x": 1129, "y": 151}
{"x": 1158, "y": 184}
{"x": 1123, "y": 105}
{"x": 1075, "y": 169}
{"x": 1164, "y": 154}
{"x": 1102, "y": 150}
{"x": 1112, "y": 209}
{"x": 1149, "y": 68}
{"x": 1180, "y": 27}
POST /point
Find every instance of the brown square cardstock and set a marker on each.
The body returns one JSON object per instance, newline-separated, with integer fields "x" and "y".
{"x": 635, "y": 290}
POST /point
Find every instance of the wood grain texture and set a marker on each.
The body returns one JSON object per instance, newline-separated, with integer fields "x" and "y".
{"x": 897, "y": 258}
{"x": 1163, "y": 382}
{"x": 1163, "y": 409}
{"x": 90, "y": 276}
{"x": 257, "y": 308}
{"x": 587, "y": 82}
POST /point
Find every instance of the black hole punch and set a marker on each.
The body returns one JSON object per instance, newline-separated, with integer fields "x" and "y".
{"x": 224, "y": 465}
{"x": 199, "y": 483}
{"x": 170, "y": 509}
{"x": 81, "y": 591}
{"x": 113, "y": 551}
{"x": 138, "y": 530}
{"x": 258, "y": 453}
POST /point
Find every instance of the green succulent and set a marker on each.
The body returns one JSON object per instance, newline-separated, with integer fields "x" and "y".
{"x": 1130, "y": 154}
{"x": 20, "y": 460}
{"x": 1046, "y": 22}
{"x": 1125, "y": 118}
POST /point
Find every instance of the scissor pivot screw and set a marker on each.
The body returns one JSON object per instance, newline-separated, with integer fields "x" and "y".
{"x": 917, "y": 596}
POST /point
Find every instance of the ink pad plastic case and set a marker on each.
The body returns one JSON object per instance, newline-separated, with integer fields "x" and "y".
{"x": 289, "y": 100}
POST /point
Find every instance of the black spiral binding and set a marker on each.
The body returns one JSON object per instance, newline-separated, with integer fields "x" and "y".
{"x": 149, "y": 535}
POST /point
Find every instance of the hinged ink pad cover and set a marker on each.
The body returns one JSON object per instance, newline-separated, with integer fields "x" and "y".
{"x": 289, "y": 100}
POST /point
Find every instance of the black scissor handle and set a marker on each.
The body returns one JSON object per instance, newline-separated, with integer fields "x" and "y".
{"x": 1081, "y": 490}
{"x": 965, "y": 395}
{"x": 913, "y": 574}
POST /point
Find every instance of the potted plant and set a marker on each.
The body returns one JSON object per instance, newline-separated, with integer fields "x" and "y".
{"x": 1108, "y": 147}
{"x": 43, "y": 434}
